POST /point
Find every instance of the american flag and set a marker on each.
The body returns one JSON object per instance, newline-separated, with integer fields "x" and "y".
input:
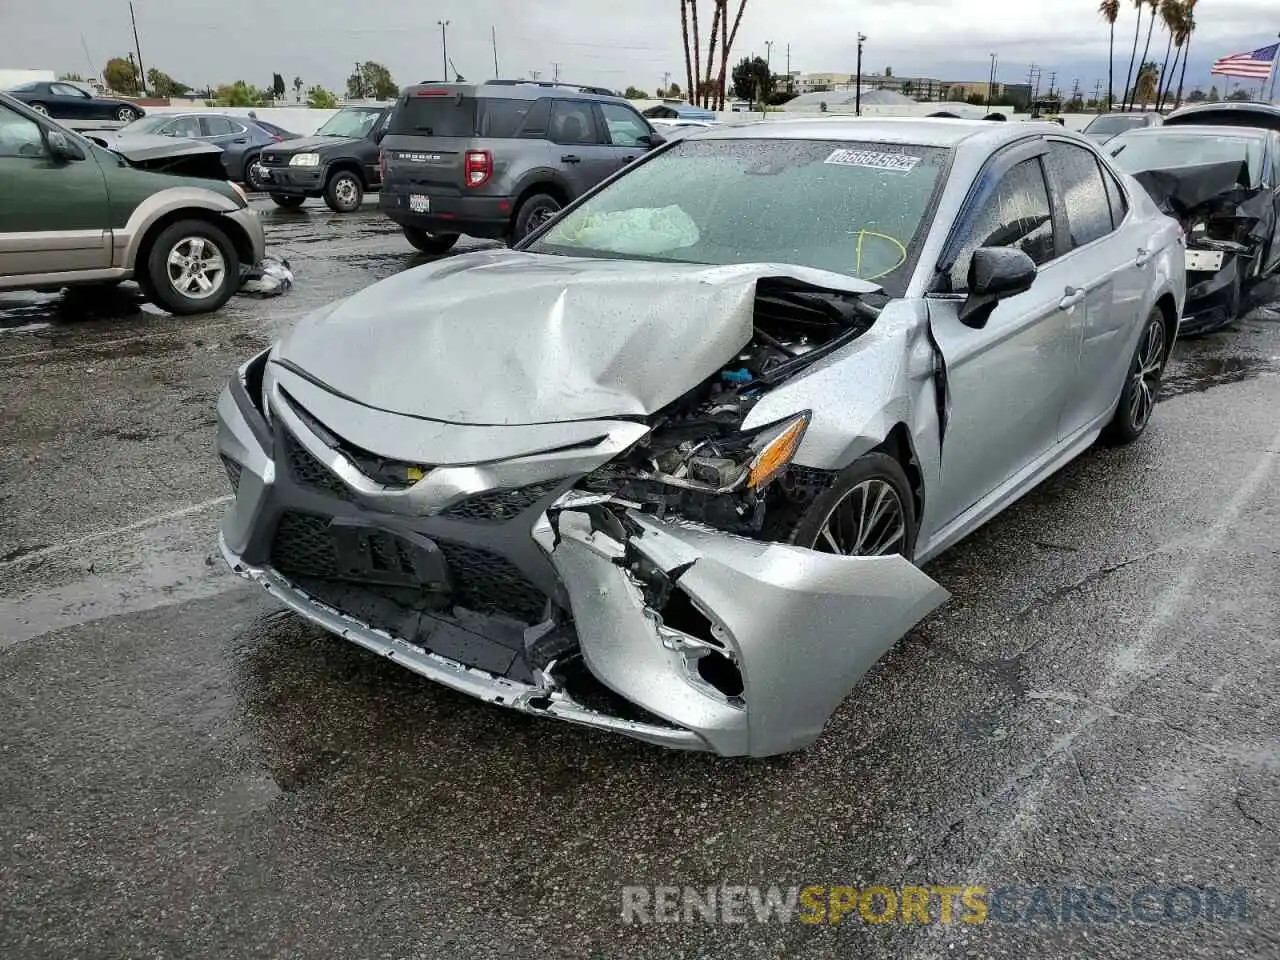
{"x": 1254, "y": 65}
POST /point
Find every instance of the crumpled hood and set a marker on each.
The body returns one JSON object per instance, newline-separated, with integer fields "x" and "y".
{"x": 505, "y": 338}
{"x": 144, "y": 147}
{"x": 1184, "y": 191}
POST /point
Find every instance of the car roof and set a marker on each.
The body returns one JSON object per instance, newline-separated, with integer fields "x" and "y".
{"x": 513, "y": 90}
{"x": 1198, "y": 130}
{"x": 929, "y": 132}
{"x": 1233, "y": 106}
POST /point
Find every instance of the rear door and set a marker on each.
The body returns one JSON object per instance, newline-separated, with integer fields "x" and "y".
{"x": 627, "y": 131}
{"x": 54, "y": 215}
{"x": 1006, "y": 384}
{"x": 1103, "y": 266}
{"x": 581, "y": 147}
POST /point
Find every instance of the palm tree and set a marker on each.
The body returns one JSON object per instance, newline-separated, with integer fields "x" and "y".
{"x": 1155, "y": 8}
{"x": 1188, "y": 28}
{"x": 1110, "y": 10}
{"x": 690, "y": 86}
{"x": 1144, "y": 87}
{"x": 711, "y": 52}
{"x": 1170, "y": 12}
{"x": 1133, "y": 55}
{"x": 726, "y": 44}
{"x": 697, "y": 55}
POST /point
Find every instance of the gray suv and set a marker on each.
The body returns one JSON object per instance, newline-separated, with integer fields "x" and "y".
{"x": 498, "y": 159}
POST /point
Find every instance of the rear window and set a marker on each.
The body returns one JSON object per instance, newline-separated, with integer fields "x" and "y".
{"x": 447, "y": 116}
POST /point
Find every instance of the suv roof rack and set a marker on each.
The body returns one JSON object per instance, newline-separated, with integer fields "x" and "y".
{"x": 582, "y": 88}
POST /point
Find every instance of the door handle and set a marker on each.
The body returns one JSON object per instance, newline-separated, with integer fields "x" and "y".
{"x": 570, "y": 158}
{"x": 241, "y": 140}
{"x": 1143, "y": 258}
{"x": 1073, "y": 297}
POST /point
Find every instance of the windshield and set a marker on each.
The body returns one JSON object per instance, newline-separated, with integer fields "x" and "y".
{"x": 854, "y": 208}
{"x": 1136, "y": 153}
{"x": 1115, "y": 124}
{"x": 146, "y": 124}
{"x": 350, "y": 123}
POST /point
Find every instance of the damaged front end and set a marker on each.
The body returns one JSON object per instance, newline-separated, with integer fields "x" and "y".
{"x": 630, "y": 573}
{"x": 1226, "y": 219}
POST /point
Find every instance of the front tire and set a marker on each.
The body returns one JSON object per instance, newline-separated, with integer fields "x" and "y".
{"x": 533, "y": 213}
{"x": 127, "y": 114}
{"x": 344, "y": 192}
{"x": 247, "y": 177}
{"x": 41, "y": 109}
{"x": 867, "y": 512}
{"x": 193, "y": 267}
{"x": 434, "y": 243}
{"x": 286, "y": 201}
{"x": 1141, "y": 383}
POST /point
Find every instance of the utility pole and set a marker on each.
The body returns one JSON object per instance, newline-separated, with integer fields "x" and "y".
{"x": 857, "y": 84}
{"x": 1053, "y": 77}
{"x": 788, "y": 68}
{"x": 991, "y": 84}
{"x": 359, "y": 75}
{"x": 534, "y": 75}
{"x": 1097, "y": 94}
{"x": 142, "y": 71}
{"x": 1075, "y": 89}
{"x": 666, "y": 82}
{"x": 444, "y": 47}
{"x": 555, "y": 76}
{"x": 493, "y": 36}
{"x": 768, "y": 55}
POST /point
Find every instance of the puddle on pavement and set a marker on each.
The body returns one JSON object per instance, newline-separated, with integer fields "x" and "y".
{"x": 1197, "y": 374}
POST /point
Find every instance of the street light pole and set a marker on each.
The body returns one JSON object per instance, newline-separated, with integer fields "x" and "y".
{"x": 991, "y": 83}
{"x": 444, "y": 47}
{"x": 857, "y": 83}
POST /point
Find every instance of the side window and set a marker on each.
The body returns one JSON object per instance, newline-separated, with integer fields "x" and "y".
{"x": 503, "y": 119}
{"x": 183, "y": 127}
{"x": 213, "y": 127}
{"x": 19, "y": 137}
{"x": 572, "y": 122}
{"x": 1077, "y": 181}
{"x": 62, "y": 90}
{"x": 625, "y": 127}
{"x": 1015, "y": 214}
{"x": 1115, "y": 195}
{"x": 538, "y": 121}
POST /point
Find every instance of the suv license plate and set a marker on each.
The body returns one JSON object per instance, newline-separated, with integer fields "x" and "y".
{"x": 1204, "y": 260}
{"x": 419, "y": 203}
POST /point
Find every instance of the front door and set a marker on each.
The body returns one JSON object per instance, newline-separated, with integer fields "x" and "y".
{"x": 53, "y": 217}
{"x": 1007, "y": 383}
{"x": 627, "y": 132}
{"x": 579, "y": 145}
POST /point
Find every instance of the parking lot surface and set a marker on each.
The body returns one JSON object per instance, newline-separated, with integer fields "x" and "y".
{"x": 189, "y": 771}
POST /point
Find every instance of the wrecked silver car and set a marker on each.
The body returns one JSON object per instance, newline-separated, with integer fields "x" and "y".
{"x": 669, "y": 468}
{"x": 1221, "y": 184}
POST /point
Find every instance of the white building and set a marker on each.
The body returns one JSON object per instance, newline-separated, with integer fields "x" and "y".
{"x": 13, "y": 77}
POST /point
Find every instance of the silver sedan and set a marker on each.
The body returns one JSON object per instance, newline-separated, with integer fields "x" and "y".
{"x": 670, "y": 468}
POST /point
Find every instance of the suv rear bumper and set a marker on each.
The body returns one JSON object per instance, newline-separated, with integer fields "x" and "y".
{"x": 485, "y": 217}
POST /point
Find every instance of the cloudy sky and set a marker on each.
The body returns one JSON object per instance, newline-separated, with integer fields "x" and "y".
{"x": 607, "y": 42}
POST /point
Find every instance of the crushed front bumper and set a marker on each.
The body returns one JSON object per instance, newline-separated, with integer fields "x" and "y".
{"x": 718, "y": 643}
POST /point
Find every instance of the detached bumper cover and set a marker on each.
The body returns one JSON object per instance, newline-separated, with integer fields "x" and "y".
{"x": 795, "y": 628}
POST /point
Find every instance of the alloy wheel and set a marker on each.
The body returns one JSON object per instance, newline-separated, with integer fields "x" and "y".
{"x": 1146, "y": 374}
{"x": 124, "y": 114}
{"x": 869, "y": 521}
{"x": 196, "y": 268}
{"x": 41, "y": 109}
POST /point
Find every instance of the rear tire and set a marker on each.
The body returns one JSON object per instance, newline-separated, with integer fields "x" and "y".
{"x": 286, "y": 201}
{"x": 246, "y": 175}
{"x": 435, "y": 243}
{"x": 533, "y": 213}
{"x": 1141, "y": 383}
{"x": 180, "y": 255}
{"x": 344, "y": 192}
{"x": 874, "y": 486}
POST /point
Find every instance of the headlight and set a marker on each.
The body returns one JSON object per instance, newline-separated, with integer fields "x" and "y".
{"x": 747, "y": 460}
{"x": 305, "y": 160}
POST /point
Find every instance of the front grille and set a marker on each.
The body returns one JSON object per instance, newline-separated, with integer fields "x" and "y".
{"x": 395, "y": 474}
{"x": 305, "y": 546}
{"x": 310, "y": 472}
{"x": 499, "y": 504}
{"x": 233, "y": 473}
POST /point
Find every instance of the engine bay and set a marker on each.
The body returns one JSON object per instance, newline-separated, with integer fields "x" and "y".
{"x": 697, "y": 462}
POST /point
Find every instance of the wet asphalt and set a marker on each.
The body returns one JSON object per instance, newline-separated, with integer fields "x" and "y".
{"x": 187, "y": 771}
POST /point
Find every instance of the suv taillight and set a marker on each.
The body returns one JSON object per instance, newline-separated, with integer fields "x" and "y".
{"x": 477, "y": 167}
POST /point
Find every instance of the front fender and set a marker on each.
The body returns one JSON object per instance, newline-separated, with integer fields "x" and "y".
{"x": 127, "y": 239}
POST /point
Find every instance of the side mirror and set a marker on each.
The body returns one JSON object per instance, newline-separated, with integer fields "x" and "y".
{"x": 61, "y": 148}
{"x": 655, "y": 139}
{"x": 995, "y": 273}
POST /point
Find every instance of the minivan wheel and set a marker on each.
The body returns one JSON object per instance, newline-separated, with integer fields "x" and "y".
{"x": 430, "y": 242}
{"x": 1141, "y": 384}
{"x": 533, "y": 213}
{"x": 344, "y": 192}
{"x": 867, "y": 512}
{"x": 192, "y": 268}
{"x": 287, "y": 201}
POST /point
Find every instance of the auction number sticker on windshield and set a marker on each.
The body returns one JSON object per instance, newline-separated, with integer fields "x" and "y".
{"x": 899, "y": 162}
